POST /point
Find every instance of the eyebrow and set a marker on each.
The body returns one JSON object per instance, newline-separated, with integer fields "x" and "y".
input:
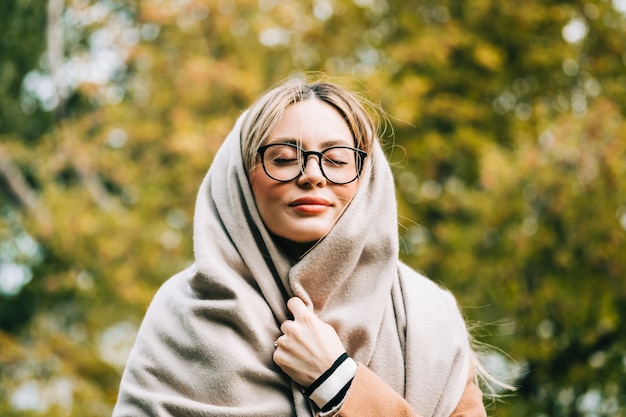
{"x": 326, "y": 144}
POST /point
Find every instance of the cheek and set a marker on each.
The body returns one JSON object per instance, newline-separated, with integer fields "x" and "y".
{"x": 263, "y": 190}
{"x": 346, "y": 192}
{"x": 256, "y": 184}
{"x": 259, "y": 181}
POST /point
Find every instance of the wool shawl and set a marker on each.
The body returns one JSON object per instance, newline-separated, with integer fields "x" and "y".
{"x": 205, "y": 345}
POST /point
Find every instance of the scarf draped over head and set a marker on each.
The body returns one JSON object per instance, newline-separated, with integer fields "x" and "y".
{"x": 205, "y": 346}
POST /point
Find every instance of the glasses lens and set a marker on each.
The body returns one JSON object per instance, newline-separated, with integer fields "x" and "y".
{"x": 282, "y": 162}
{"x": 340, "y": 165}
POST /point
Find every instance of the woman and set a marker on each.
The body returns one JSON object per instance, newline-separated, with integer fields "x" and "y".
{"x": 296, "y": 304}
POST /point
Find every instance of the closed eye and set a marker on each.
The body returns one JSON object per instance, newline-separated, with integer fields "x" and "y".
{"x": 334, "y": 162}
{"x": 285, "y": 161}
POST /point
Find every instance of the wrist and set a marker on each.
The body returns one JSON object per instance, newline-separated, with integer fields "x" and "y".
{"x": 332, "y": 385}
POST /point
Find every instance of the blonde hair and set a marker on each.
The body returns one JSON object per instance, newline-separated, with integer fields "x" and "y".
{"x": 265, "y": 114}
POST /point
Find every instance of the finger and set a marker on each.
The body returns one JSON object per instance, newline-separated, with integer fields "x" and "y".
{"x": 286, "y": 326}
{"x": 298, "y": 308}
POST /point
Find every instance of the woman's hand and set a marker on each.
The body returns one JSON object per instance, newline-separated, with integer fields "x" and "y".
{"x": 308, "y": 346}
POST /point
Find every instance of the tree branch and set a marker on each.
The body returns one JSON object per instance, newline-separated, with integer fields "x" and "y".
{"x": 24, "y": 193}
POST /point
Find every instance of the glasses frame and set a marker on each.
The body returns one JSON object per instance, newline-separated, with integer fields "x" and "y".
{"x": 361, "y": 155}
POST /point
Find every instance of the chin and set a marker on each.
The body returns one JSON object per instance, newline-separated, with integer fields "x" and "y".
{"x": 307, "y": 235}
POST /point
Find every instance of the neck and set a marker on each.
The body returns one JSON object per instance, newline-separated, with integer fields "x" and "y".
{"x": 293, "y": 250}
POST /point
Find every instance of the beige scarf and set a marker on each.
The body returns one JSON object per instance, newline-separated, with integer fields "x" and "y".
{"x": 205, "y": 346}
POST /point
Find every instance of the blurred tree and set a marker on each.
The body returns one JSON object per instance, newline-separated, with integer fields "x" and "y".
{"x": 507, "y": 147}
{"x": 540, "y": 241}
{"x": 21, "y": 45}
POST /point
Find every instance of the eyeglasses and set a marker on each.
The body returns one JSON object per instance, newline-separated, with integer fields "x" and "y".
{"x": 285, "y": 162}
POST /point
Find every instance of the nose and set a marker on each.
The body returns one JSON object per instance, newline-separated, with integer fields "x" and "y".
{"x": 312, "y": 172}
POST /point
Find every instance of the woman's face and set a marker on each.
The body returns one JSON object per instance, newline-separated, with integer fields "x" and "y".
{"x": 306, "y": 208}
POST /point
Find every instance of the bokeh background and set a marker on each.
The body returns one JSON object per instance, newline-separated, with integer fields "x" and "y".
{"x": 506, "y": 133}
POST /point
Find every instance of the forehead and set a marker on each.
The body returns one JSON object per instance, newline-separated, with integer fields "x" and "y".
{"x": 312, "y": 123}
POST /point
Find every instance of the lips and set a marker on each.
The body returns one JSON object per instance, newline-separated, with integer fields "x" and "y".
{"x": 310, "y": 204}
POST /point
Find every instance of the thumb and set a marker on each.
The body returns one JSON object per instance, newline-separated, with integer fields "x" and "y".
{"x": 298, "y": 308}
